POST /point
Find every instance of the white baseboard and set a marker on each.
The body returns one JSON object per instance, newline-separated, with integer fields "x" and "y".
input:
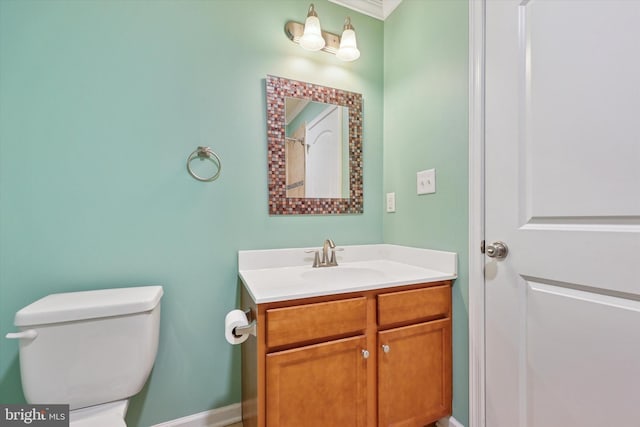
{"x": 219, "y": 417}
{"x": 227, "y": 415}
{"x": 449, "y": 422}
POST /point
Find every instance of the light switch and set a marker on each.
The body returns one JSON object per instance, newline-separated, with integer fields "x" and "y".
{"x": 426, "y": 181}
{"x": 391, "y": 202}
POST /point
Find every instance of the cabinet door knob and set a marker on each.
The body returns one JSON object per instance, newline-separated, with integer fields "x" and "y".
{"x": 365, "y": 354}
{"x": 386, "y": 348}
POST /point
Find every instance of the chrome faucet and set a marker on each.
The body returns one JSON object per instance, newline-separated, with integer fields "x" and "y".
{"x": 328, "y": 243}
{"x": 327, "y": 260}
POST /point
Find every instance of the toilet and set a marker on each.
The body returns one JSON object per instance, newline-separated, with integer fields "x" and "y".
{"x": 92, "y": 350}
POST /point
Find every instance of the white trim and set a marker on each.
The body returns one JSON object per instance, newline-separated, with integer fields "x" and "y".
{"x": 449, "y": 422}
{"x": 219, "y": 417}
{"x": 378, "y": 9}
{"x": 231, "y": 414}
{"x": 476, "y": 214}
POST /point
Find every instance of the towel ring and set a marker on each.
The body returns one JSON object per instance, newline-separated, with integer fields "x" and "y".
{"x": 203, "y": 153}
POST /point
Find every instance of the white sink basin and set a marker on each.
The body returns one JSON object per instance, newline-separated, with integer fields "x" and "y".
{"x": 342, "y": 274}
{"x": 286, "y": 274}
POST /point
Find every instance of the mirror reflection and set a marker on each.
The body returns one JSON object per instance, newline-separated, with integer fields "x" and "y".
{"x": 314, "y": 153}
{"x": 316, "y": 149}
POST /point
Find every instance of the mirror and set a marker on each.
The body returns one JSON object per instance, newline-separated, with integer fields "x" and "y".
{"x": 314, "y": 148}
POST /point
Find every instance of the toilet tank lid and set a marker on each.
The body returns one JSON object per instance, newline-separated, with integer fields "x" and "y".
{"x": 72, "y": 306}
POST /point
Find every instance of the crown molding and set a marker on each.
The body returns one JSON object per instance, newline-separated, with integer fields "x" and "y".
{"x": 379, "y": 9}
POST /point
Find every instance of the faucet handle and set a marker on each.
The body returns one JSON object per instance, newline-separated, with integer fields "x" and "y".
{"x": 316, "y": 257}
{"x": 333, "y": 260}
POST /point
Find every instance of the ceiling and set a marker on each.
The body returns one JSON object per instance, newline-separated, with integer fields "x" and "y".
{"x": 379, "y": 9}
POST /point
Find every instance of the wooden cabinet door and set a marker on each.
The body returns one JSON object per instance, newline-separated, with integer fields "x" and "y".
{"x": 414, "y": 374}
{"x": 319, "y": 385}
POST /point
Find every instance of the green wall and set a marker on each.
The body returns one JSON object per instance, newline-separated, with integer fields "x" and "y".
{"x": 425, "y": 126}
{"x": 102, "y": 101}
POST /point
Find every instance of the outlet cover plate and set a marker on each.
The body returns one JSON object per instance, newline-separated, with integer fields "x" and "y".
{"x": 426, "y": 181}
{"x": 391, "y": 202}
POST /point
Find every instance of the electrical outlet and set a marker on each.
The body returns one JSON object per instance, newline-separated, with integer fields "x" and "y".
{"x": 391, "y": 202}
{"x": 426, "y": 181}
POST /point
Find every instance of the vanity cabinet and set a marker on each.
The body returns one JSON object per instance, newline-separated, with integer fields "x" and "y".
{"x": 414, "y": 385}
{"x": 379, "y": 357}
{"x": 324, "y": 382}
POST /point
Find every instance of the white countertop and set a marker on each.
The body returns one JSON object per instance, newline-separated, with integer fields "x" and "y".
{"x": 285, "y": 274}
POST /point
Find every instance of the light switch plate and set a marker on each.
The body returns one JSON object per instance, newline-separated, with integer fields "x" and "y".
{"x": 426, "y": 181}
{"x": 391, "y": 202}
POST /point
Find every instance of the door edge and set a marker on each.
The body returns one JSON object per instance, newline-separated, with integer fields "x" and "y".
{"x": 477, "y": 389}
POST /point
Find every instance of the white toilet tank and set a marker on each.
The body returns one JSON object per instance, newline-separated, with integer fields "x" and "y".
{"x": 90, "y": 347}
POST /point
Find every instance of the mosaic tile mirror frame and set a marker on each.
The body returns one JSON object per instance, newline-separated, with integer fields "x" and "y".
{"x": 287, "y": 197}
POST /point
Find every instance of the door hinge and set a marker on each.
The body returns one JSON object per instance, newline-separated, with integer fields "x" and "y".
{"x": 482, "y": 246}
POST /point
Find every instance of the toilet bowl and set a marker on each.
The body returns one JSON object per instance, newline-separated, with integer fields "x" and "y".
{"x": 92, "y": 350}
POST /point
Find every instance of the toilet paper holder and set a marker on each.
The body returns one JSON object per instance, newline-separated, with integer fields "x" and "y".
{"x": 239, "y": 331}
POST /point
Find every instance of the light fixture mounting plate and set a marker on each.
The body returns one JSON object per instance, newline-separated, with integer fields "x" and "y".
{"x": 294, "y": 31}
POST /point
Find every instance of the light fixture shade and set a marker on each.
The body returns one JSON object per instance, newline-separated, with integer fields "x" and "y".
{"x": 348, "y": 46}
{"x": 312, "y": 37}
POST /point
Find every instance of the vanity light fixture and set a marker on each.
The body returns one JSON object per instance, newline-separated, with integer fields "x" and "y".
{"x": 311, "y": 37}
{"x": 348, "y": 50}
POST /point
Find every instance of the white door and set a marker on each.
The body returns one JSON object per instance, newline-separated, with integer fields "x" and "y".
{"x": 562, "y": 135}
{"x": 324, "y": 155}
